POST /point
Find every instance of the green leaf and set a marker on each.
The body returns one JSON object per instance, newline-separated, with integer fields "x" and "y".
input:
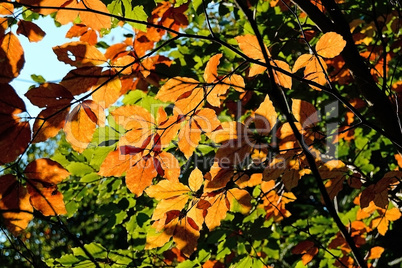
{"x": 38, "y": 78}
{"x": 137, "y": 13}
{"x": 79, "y": 169}
{"x": 91, "y": 177}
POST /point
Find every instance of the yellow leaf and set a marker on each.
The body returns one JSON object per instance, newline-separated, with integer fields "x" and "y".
{"x": 166, "y": 189}
{"x": 195, "y": 180}
{"x": 265, "y": 116}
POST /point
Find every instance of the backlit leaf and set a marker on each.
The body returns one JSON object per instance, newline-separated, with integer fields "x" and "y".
{"x": 12, "y": 57}
{"x": 140, "y": 176}
{"x": 166, "y": 189}
{"x": 330, "y": 45}
{"x": 79, "y": 54}
{"x": 17, "y": 211}
{"x": 32, "y": 31}
{"x": 46, "y": 170}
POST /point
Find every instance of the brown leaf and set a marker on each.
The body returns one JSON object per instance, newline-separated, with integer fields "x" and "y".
{"x": 50, "y": 95}
{"x": 79, "y": 54}
{"x": 32, "y": 31}
{"x": 48, "y": 123}
{"x": 82, "y": 79}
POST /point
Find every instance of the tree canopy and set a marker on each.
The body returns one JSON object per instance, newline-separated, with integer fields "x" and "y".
{"x": 233, "y": 133}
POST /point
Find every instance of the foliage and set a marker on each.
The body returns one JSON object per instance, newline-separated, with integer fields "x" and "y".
{"x": 231, "y": 133}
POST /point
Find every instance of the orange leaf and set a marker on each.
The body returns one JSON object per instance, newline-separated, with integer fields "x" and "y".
{"x": 304, "y": 112}
{"x": 140, "y": 176}
{"x": 308, "y": 249}
{"x": 211, "y": 70}
{"x": 32, "y": 31}
{"x": 12, "y": 57}
{"x": 250, "y": 46}
{"x": 166, "y": 189}
{"x": 91, "y": 19}
{"x": 189, "y": 137}
{"x": 185, "y": 92}
{"x": 17, "y": 211}
{"x": 46, "y": 171}
{"x": 81, "y": 124}
{"x": 47, "y": 199}
{"x": 217, "y": 211}
{"x": 115, "y": 163}
{"x": 235, "y": 81}
{"x": 48, "y": 123}
{"x": 170, "y": 165}
{"x": 265, "y": 116}
{"x": 79, "y": 54}
{"x": 165, "y": 205}
{"x": 375, "y": 253}
{"x": 330, "y": 45}
{"x": 280, "y": 78}
{"x": 6, "y": 9}
{"x": 108, "y": 93}
{"x": 240, "y": 200}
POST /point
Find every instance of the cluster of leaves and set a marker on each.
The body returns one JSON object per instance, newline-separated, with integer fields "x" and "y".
{"x": 198, "y": 140}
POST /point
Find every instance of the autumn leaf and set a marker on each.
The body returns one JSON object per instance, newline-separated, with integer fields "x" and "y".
{"x": 93, "y": 20}
{"x": 250, "y": 46}
{"x": 378, "y": 192}
{"x": 265, "y": 117}
{"x": 15, "y": 134}
{"x": 16, "y": 210}
{"x": 219, "y": 85}
{"x": 204, "y": 120}
{"x": 140, "y": 175}
{"x": 81, "y": 124}
{"x": 382, "y": 222}
{"x": 79, "y": 54}
{"x": 50, "y": 95}
{"x": 166, "y": 189}
{"x": 274, "y": 203}
{"x": 81, "y": 80}
{"x": 185, "y": 92}
{"x": 32, "y": 31}
{"x": 12, "y": 57}
{"x": 43, "y": 176}
{"x": 307, "y": 248}
{"x": 84, "y": 33}
{"x": 336, "y": 172}
{"x": 330, "y": 45}
{"x": 375, "y": 252}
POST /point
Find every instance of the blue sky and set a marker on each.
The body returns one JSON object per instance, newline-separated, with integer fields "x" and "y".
{"x": 40, "y": 59}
